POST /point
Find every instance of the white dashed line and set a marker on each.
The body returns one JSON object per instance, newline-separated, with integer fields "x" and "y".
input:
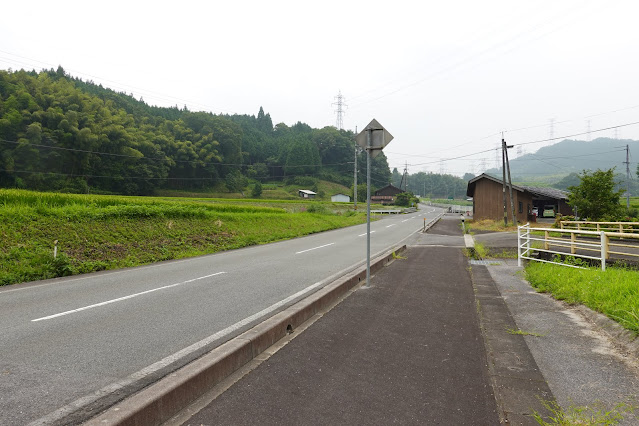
{"x": 314, "y": 248}
{"x": 119, "y": 299}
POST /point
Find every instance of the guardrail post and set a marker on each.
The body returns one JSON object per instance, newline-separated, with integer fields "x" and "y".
{"x": 604, "y": 250}
{"x": 598, "y": 227}
{"x": 519, "y": 245}
{"x": 546, "y": 237}
{"x": 573, "y": 239}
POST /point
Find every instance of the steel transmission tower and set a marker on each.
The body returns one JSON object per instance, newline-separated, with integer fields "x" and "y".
{"x": 341, "y": 107}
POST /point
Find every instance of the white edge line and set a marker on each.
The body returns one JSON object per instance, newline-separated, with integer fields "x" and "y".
{"x": 119, "y": 299}
{"x": 88, "y": 399}
{"x": 314, "y": 248}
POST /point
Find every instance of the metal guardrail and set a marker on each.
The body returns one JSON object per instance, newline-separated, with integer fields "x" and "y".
{"x": 591, "y": 241}
{"x": 452, "y": 208}
{"x": 431, "y": 222}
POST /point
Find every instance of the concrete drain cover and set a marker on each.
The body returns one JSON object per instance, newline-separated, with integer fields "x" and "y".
{"x": 485, "y": 262}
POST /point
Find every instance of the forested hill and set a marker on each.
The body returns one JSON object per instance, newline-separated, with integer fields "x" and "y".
{"x": 61, "y": 133}
{"x": 571, "y": 156}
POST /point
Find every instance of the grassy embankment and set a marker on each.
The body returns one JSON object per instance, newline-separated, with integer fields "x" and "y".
{"x": 613, "y": 292}
{"x": 107, "y": 232}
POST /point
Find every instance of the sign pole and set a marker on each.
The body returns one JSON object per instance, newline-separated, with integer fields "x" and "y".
{"x": 368, "y": 205}
{"x": 373, "y": 144}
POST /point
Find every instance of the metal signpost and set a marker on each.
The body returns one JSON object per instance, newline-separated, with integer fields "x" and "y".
{"x": 373, "y": 139}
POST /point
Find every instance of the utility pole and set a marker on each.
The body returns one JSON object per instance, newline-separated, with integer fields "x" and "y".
{"x": 503, "y": 177}
{"x": 406, "y": 177}
{"x": 505, "y": 164}
{"x": 627, "y": 163}
{"x": 355, "y": 183}
{"x": 510, "y": 185}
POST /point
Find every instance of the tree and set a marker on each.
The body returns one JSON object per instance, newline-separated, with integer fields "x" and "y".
{"x": 396, "y": 178}
{"x": 361, "y": 192}
{"x": 257, "y": 190}
{"x": 595, "y": 197}
{"x": 302, "y": 157}
{"x": 235, "y": 182}
{"x": 468, "y": 176}
{"x": 404, "y": 199}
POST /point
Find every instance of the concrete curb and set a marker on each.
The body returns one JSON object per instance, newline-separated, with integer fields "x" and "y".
{"x": 615, "y": 331}
{"x": 518, "y": 384}
{"x": 162, "y": 400}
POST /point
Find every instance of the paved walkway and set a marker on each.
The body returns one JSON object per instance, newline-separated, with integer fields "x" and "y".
{"x": 407, "y": 350}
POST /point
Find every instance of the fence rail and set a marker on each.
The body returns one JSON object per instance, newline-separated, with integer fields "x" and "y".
{"x": 621, "y": 227}
{"x": 575, "y": 242}
{"x": 453, "y": 208}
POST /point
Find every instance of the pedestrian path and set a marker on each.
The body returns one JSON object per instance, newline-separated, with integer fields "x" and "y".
{"x": 406, "y": 350}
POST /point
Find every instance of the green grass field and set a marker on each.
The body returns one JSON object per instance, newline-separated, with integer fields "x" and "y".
{"x": 105, "y": 232}
{"x": 613, "y": 292}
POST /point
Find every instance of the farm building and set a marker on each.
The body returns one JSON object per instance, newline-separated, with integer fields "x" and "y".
{"x": 386, "y": 195}
{"x": 488, "y": 202}
{"x": 305, "y": 193}
{"x": 340, "y": 198}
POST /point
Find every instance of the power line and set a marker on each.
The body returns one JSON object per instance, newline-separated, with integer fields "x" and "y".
{"x": 470, "y": 58}
{"x": 198, "y": 162}
{"x": 529, "y": 143}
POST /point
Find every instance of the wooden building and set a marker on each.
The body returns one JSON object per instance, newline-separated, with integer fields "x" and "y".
{"x": 488, "y": 201}
{"x": 386, "y": 195}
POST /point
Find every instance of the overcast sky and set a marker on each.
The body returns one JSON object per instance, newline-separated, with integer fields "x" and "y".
{"x": 444, "y": 77}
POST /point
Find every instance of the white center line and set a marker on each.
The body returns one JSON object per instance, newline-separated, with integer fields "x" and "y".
{"x": 405, "y": 220}
{"x": 391, "y": 225}
{"x": 314, "y": 248}
{"x": 119, "y": 299}
{"x": 361, "y": 235}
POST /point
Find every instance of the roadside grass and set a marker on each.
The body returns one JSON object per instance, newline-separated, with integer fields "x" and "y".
{"x": 595, "y": 415}
{"x": 488, "y": 225}
{"x": 106, "y": 232}
{"x": 480, "y": 250}
{"x": 520, "y": 332}
{"x": 613, "y": 292}
{"x": 491, "y": 225}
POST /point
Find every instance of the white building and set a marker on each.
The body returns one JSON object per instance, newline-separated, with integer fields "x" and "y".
{"x": 305, "y": 193}
{"x": 340, "y": 198}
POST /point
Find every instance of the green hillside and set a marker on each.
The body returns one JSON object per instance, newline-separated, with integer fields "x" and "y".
{"x": 571, "y": 156}
{"x": 59, "y": 133}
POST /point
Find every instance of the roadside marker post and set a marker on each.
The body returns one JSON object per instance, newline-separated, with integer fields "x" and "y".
{"x": 373, "y": 139}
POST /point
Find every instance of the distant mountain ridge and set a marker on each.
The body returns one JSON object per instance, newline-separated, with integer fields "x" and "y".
{"x": 573, "y": 156}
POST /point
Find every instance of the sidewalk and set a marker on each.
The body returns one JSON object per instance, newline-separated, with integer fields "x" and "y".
{"x": 407, "y": 350}
{"x": 586, "y": 358}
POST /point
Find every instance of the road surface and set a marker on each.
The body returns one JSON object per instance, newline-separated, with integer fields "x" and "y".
{"x": 70, "y": 347}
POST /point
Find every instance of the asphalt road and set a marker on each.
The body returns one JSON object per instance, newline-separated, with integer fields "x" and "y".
{"x": 69, "y": 347}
